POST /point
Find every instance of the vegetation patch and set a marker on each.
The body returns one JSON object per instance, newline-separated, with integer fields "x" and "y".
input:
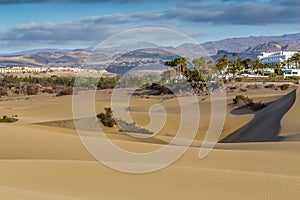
{"x": 108, "y": 120}
{"x": 245, "y": 102}
{"x": 285, "y": 86}
{"x": 153, "y": 89}
{"x": 242, "y": 98}
{"x": 7, "y": 119}
{"x": 60, "y": 86}
{"x": 131, "y": 127}
{"x": 293, "y": 78}
{"x": 64, "y": 90}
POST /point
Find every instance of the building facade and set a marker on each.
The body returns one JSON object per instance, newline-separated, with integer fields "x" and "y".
{"x": 275, "y": 57}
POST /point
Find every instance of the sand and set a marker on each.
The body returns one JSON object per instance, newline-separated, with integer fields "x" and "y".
{"x": 39, "y": 160}
{"x": 266, "y": 125}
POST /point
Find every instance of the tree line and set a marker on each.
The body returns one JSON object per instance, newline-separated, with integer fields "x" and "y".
{"x": 204, "y": 70}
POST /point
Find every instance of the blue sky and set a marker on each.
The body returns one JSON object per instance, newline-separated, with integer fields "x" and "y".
{"x": 31, "y": 24}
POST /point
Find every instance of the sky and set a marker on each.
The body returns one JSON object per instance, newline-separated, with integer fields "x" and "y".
{"x": 69, "y": 24}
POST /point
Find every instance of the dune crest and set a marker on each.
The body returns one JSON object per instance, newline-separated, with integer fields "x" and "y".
{"x": 266, "y": 125}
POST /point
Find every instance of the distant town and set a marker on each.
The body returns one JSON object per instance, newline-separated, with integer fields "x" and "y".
{"x": 279, "y": 63}
{"x": 21, "y": 71}
{"x": 267, "y": 64}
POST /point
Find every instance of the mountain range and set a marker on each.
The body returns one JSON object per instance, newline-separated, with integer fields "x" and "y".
{"x": 245, "y": 47}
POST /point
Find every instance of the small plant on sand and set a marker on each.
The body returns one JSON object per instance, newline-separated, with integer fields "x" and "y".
{"x": 107, "y": 118}
{"x": 243, "y": 98}
{"x": 7, "y": 119}
{"x": 292, "y": 78}
{"x": 248, "y": 102}
{"x": 285, "y": 86}
{"x": 257, "y": 106}
{"x": 65, "y": 90}
{"x": 131, "y": 127}
{"x": 2, "y": 93}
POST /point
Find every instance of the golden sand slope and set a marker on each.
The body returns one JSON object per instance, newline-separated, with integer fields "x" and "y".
{"x": 266, "y": 125}
{"x": 41, "y": 162}
{"x": 290, "y": 122}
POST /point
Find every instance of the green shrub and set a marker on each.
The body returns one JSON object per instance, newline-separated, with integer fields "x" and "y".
{"x": 285, "y": 86}
{"x": 272, "y": 86}
{"x": 257, "y": 106}
{"x": 160, "y": 88}
{"x": 32, "y": 89}
{"x": 6, "y": 119}
{"x": 292, "y": 78}
{"x": 3, "y": 93}
{"x": 131, "y": 127}
{"x": 249, "y": 102}
{"x": 243, "y": 98}
{"x": 107, "y": 118}
{"x": 239, "y": 79}
{"x": 65, "y": 90}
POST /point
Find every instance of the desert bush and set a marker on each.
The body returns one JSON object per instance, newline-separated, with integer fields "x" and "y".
{"x": 66, "y": 90}
{"x": 152, "y": 89}
{"x": 249, "y": 102}
{"x": 257, "y": 106}
{"x": 6, "y": 119}
{"x": 32, "y": 89}
{"x": 131, "y": 127}
{"x": 272, "y": 75}
{"x": 107, "y": 118}
{"x": 243, "y": 98}
{"x": 285, "y": 86}
{"x": 160, "y": 88}
{"x": 270, "y": 86}
{"x": 238, "y": 79}
{"x": 292, "y": 78}
{"x": 48, "y": 90}
{"x": 3, "y": 93}
{"x": 107, "y": 82}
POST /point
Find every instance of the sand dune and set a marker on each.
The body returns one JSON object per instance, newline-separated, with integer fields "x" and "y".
{"x": 290, "y": 122}
{"x": 266, "y": 124}
{"x": 50, "y": 162}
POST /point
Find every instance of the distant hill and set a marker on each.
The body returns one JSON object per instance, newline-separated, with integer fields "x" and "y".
{"x": 71, "y": 58}
{"x": 122, "y": 57}
{"x": 245, "y": 44}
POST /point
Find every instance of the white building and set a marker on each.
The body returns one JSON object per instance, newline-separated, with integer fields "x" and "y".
{"x": 291, "y": 72}
{"x": 275, "y": 57}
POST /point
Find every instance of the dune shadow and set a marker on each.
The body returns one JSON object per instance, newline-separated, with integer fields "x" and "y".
{"x": 265, "y": 127}
{"x": 243, "y": 110}
{"x": 291, "y": 137}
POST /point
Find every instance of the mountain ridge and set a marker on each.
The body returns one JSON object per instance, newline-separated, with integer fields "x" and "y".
{"x": 245, "y": 46}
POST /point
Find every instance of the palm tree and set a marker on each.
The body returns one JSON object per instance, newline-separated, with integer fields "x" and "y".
{"x": 278, "y": 69}
{"x": 239, "y": 65}
{"x": 248, "y": 63}
{"x": 257, "y": 66}
{"x": 296, "y": 59}
{"x": 222, "y": 63}
{"x": 200, "y": 65}
{"x": 289, "y": 62}
{"x": 183, "y": 66}
{"x": 173, "y": 65}
{"x": 234, "y": 67}
{"x": 262, "y": 68}
{"x": 235, "y": 55}
{"x": 179, "y": 64}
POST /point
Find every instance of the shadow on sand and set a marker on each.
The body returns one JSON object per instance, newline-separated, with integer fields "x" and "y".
{"x": 265, "y": 127}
